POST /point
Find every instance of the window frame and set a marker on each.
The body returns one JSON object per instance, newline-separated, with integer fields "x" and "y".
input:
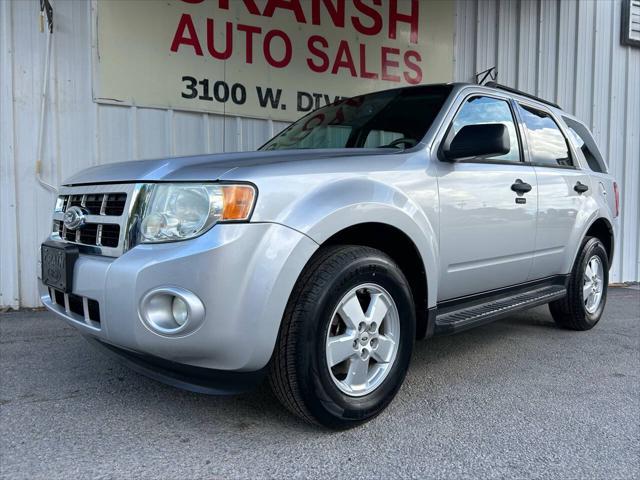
{"x": 508, "y": 101}
{"x": 575, "y": 165}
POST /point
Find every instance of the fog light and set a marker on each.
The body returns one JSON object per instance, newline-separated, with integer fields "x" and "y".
{"x": 180, "y": 310}
{"x": 171, "y": 311}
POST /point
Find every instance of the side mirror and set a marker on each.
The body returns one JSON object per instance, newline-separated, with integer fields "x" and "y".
{"x": 480, "y": 140}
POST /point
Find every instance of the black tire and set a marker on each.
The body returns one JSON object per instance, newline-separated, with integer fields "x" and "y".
{"x": 299, "y": 374}
{"x": 570, "y": 312}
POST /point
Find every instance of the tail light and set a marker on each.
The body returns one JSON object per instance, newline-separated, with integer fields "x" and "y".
{"x": 616, "y": 192}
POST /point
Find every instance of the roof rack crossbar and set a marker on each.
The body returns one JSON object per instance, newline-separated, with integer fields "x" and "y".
{"x": 520, "y": 92}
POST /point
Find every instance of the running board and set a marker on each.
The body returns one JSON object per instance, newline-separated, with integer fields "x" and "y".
{"x": 479, "y": 314}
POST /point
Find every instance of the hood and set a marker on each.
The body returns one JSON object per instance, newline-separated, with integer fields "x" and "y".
{"x": 206, "y": 167}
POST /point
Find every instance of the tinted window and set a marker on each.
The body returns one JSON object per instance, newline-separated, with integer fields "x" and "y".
{"x": 368, "y": 121}
{"x": 582, "y": 140}
{"x": 478, "y": 110}
{"x": 547, "y": 145}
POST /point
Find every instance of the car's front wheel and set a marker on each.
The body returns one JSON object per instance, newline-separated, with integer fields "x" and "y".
{"x": 346, "y": 339}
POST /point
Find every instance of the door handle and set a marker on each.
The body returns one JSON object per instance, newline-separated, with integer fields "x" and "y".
{"x": 581, "y": 187}
{"x": 521, "y": 187}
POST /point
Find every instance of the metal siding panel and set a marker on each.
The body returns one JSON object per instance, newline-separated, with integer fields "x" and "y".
{"x": 215, "y": 135}
{"x": 486, "y": 37}
{"x": 9, "y": 265}
{"x": 527, "y": 46}
{"x": 601, "y": 65}
{"x": 630, "y": 269}
{"x": 565, "y": 58}
{"x": 188, "y": 133}
{"x": 465, "y": 40}
{"x": 583, "y": 81}
{"x": 152, "y": 133}
{"x": 507, "y": 47}
{"x": 548, "y": 47}
{"x": 113, "y": 133}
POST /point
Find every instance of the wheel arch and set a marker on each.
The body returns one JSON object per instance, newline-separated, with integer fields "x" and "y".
{"x": 602, "y": 229}
{"x": 402, "y": 250}
{"x": 369, "y": 212}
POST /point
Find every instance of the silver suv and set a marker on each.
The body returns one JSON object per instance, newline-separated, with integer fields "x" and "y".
{"x": 320, "y": 258}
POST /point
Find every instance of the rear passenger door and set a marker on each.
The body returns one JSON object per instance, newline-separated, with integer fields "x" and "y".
{"x": 563, "y": 190}
{"x": 487, "y": 229}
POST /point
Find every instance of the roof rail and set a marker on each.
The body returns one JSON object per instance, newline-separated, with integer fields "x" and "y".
{"x": 520, "y": 92}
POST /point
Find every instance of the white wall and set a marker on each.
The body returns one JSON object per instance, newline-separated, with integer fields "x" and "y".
{"x": 600, "y": 82}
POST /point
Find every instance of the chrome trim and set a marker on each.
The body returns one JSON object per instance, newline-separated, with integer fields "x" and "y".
{"x": 156, "y": 311}
{"x": 125, "y": 221}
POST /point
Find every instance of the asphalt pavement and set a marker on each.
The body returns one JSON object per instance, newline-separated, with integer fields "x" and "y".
{"x": 518, "y": 398}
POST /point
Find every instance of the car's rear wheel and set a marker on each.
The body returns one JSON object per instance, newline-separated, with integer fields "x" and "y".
{"x": 586, "y": 296}
{"x": 346, "y": 338}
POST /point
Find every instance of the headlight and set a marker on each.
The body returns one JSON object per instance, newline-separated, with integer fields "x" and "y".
{"x": 184, "y": 210}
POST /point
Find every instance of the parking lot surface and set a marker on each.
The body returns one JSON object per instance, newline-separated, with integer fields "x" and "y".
{"x": 517, "y": 398}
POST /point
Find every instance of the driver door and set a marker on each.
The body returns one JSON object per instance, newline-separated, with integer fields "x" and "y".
{"x": 487, "y": 230}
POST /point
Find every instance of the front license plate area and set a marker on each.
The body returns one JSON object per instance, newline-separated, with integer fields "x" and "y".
{"x": 57, "y": 265}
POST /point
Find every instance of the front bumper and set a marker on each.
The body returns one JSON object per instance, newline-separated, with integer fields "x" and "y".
{"x": 243, "y": 273}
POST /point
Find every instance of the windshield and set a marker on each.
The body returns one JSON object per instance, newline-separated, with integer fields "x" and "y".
{"x": 391, "y": 119}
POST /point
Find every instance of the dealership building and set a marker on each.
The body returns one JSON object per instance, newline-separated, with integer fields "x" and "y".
{"x": 88, "y": 82}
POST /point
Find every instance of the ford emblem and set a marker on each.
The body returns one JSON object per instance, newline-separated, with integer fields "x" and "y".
{"x": 74, "y": 218}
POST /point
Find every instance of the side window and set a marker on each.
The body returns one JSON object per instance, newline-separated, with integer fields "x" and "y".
{"x": 479, "y": 110}
{"x": 547, "y": 145}
{"x": 583, "y": 141}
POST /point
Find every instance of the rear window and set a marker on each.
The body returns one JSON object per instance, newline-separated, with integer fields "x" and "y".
{"x": 583, "y": 141}
{"x": 547, "y": 145}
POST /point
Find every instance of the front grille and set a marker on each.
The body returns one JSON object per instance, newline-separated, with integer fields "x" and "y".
{"x": 99, "y": 234}
{"x": 83, "y": 309}
{"x": 105, "y": 208}
{"x": 97, "y": 203}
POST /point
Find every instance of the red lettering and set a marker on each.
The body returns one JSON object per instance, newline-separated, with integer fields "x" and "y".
{"x": 386, "y": 63}
{"x": 335, "y": 11}
{"x": 363, "y": 64}
{"x": 266, "y": 48}
{"x": 250, "y": 5}
{"x": 186, "y": 25}
{"x": 292, "y": 5}
{"x": 211, "y": 42}
{"x": 417, "y": 78}
{"x": 193, "y": 1}
{"x": 311, "y": 45}
{"x": 314, "y": 122}
{"x": 346, "y": 62}
{"x": 411, "y": 18}
{"x": 370, "y": 12}
{"x": 249, "y": 31}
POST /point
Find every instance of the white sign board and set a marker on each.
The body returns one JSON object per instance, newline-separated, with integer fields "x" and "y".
{"x": 266, "y": 58}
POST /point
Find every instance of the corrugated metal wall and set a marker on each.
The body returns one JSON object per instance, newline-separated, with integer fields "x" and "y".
{"x": 568, "y": 51}
{"x": 581, "y": 65}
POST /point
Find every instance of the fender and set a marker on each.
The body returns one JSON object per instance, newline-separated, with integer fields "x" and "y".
{"x": 333, "y": 207}
{"x": 584, "y": 223}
